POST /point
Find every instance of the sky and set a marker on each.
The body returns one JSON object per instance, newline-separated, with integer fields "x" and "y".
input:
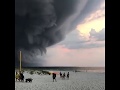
{"x": 85, "y": 46}
{"x": 60, "y": 32}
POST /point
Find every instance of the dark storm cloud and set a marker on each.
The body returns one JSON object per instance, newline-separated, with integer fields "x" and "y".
{"x": 74, "y": 38}
{"x": 90, "y": 7}
{"x": 42, "y": 23}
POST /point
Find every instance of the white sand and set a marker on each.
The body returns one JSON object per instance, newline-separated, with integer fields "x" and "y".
{"x": 77, "y": 81}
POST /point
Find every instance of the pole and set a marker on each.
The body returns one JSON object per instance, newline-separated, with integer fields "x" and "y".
{"x": 20, "y": 61}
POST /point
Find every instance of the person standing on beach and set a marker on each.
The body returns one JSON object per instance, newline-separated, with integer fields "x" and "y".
{"x": 17, "y": 76}
{"x": 68, "y": 75}
{"x": 54, "y": 77}
{"x": 64, "y": 76}
{"x": 60, "y": 74}
{"x": 21, "y": 76}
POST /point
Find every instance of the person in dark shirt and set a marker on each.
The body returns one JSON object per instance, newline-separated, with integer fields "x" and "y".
{"x": 21, "y": 76}
{"x": 64, "y": 76}
{"x": 68, "y": 75}
{"x": 54, "y": 77}
{"x": 60, "y": 74}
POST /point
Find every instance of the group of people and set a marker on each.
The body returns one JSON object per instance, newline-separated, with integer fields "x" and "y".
{"x": 19, "y": 76}
{"x": 61, "y": 76}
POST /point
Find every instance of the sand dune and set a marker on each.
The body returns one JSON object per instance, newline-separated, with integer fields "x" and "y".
{"x": 77, "y": 81}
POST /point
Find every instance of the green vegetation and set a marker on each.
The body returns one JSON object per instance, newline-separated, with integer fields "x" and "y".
{"x": 31, "y": 72}
{"x": 46, "y": 72}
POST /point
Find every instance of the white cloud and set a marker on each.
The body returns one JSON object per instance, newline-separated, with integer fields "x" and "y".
{"x": 99, "y": 36}
{"x": 76, "y": 41}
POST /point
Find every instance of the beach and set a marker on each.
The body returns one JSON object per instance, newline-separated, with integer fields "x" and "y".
{"x": 77, "y": 81}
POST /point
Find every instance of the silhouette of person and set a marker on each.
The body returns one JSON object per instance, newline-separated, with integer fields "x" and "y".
{"x": 60, "y": 74}
{"x": 64, "y": 75}
{"x": 54, "y": 77}
{"x": 21, "y": 76}
{"x": 68, "y": 75}
{"x": 17, "y": 76}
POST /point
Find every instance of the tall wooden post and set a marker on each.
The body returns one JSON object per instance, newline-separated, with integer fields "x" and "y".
{"x": 20, "y": 61}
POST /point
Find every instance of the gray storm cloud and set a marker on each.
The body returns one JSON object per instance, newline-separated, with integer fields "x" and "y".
{"x": 42, "y": 23}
